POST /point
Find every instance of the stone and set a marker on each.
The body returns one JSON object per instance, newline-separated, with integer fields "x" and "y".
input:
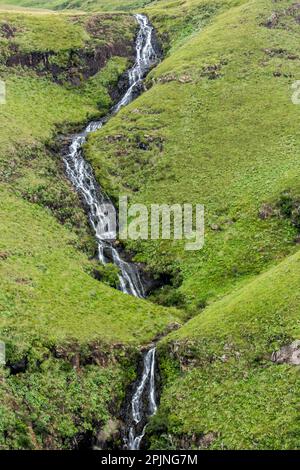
{"x": 289, "y": 354}
{"x": 185, "y": 79}
{"x": 109, "y": 433}
{"x": 272, "y": 21}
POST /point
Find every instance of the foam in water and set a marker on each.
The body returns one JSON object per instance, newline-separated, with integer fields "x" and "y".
{"x": 82, "y": 177}
{"x": 81, "y": 174}
{"x": 146, "y": 386}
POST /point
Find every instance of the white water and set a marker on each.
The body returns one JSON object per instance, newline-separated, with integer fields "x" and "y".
{"x": 82, "y": 177}
{"x": 145, "y": 390}
{"x": 81, "y": 174}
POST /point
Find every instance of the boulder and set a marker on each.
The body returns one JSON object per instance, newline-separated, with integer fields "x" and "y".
{"x": 289, "y": 354}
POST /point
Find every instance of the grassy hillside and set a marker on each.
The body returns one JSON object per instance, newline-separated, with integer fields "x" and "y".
{"x": 99, "y": 5}
{"x": 220, "y": 129}
{"x": 216, "y": 126}
{"x": 68, "y": 336}
{"x": 221, "y": 388}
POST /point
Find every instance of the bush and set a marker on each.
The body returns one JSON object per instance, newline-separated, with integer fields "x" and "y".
{"x": 289, "y": 206}
{"x": 286, "y": 204}
{"x": 108, "y": 274}
{"x": 169, "y": 297}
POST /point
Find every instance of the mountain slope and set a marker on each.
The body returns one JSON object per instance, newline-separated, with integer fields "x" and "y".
{"x": 219, "y": 109}
{"x": 220, "y": 381}
{"x": 219, "y": 128}
{"x": 69, "y": 338}
{"x": 216, "y": 126}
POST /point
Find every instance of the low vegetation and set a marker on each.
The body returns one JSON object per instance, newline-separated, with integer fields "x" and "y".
{"x": 216, "y": 126}
{"x": 222, "y": 389}
{"x": 55, "y": 313}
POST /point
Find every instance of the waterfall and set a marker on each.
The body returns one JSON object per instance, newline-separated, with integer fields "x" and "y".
{"x": 81, "y": 174}
{"x": 143, "y": 403}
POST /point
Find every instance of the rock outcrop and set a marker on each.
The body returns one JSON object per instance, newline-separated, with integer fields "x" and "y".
{"x": 289, "y": 354}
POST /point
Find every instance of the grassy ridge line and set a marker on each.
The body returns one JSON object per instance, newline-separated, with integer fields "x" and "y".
{"x": 86, "y": 5}
{"x": 218, "y": 127}
{"x": 224, "y": 385}
{"x": 19, "y": 9}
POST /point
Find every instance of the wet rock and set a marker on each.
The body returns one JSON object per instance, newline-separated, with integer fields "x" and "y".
{"x": 114, "y": 138}
{"x": 289, "y": 354}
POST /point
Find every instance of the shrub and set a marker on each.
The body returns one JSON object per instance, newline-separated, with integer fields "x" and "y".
{"x": 169, "y": 297}
{"x": 108, "y": 274}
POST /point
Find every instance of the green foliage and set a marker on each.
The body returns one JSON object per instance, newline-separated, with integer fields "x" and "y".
{"x": 57, "y": 405}
{"x": 289, "y": 206}
{"x": 205, "y": 88}
{"x": 107, "y": 274}
{"x": 169, "y": 296}
{"x": 98, "y": 5}
{"x": 48, "y": 299}
{"x": 217, "y": 127}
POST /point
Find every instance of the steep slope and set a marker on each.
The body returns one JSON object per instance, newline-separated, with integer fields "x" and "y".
{"x": 99, "y": 5}
{"x": 217, "y": 127}
{"x": 69, "y": 338}
{"x": 223, "y": 389}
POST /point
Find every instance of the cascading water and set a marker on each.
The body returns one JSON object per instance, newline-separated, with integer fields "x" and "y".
{"x": 143, "y": 403}
{"x": 81, "y": 175}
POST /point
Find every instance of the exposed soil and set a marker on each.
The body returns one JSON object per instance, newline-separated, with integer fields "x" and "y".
{"x": 80, "y": 65}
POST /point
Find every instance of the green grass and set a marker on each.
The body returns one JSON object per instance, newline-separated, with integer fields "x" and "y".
{"x": 98, "y": 5}
{"x": 55, "y": 406}
{"x": 53, "y": 311}
{"x": 224, "y": 134}
{"x": 219, "y": 129}
{"x": 224, "y": 382}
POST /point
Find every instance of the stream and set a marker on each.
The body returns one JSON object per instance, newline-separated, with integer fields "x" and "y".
{"x": 80, "y": 173}
{"x": 143, "y": 403}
